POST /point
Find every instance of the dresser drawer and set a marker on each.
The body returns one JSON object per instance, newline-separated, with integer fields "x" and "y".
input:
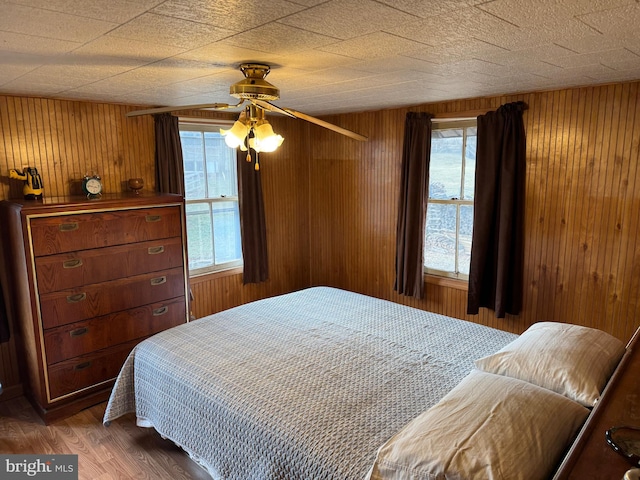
{"x": 67, "y": 233}
{"x": 68, "y": 270}
{"x": 87, "y": 370}
{"x": 69, "y": 306}
{"x": 79, "y": 338}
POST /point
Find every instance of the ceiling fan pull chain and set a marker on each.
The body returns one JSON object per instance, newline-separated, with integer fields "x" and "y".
{"x": 257, "y": 167}
{"x": 247, "y": 146}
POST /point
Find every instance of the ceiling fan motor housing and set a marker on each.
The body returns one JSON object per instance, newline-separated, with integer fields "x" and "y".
{"x": 254, "y": 85}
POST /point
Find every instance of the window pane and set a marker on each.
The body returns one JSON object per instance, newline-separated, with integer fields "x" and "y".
{"x": 452, "y": 181}
{"x": 211, "y": 191}
{"x": 221, "y": 166}
{"x": 440, "y": 238}
{"x": 464, "y": 240}
{"x": 192, "y": 154}
{"x": 445, "y": 170}
{"x": 470, "y": 165}
{"x": 199, "y": 235}
{"x": 226, "y": 219}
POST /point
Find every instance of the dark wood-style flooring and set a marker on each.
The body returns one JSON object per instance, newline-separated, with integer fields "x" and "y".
{"x": 120, "y": 451}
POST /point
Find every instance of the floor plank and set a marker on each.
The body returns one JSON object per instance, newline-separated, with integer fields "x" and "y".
{"x": 120, "y": 451}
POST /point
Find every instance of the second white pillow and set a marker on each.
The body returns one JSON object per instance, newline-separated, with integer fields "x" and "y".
{"x": 572, "y": 360}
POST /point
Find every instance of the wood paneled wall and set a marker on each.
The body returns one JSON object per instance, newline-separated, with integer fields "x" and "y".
{"x": 582, "y": 251}
{"x": 65, "y": 139}
{"x": 331, "y": 202}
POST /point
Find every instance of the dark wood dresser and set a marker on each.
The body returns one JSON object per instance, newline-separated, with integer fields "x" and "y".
{"x": 590, "y": 457}
{"x": 86, "y": 281}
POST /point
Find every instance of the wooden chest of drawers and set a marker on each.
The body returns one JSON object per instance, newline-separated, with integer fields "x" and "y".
{"x": 88, "y": 280}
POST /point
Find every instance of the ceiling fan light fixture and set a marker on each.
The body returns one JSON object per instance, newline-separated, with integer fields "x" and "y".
{"x": 252, "y": 130}
{"x": 259, "y": 93}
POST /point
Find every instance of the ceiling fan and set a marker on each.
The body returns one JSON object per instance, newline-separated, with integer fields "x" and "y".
{"x": 259, "y": 93}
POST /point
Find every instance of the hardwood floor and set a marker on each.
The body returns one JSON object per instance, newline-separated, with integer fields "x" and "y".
{"x": 120, "y": 451}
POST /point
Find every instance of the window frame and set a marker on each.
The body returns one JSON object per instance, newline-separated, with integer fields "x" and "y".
{"x": 209, "y": 125}
{"x": 446, "y": 124}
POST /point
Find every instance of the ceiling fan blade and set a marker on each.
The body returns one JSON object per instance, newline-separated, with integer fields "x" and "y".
{"x": 152, "y": 111}
{"x": 271, "y": 107}
{"x": 330, "y": 126}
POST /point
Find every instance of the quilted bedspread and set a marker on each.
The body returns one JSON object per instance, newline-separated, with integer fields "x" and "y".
{"x": 306, "y": 385}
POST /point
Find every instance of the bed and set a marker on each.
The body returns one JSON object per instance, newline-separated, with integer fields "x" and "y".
{"x": 314, "y": 384}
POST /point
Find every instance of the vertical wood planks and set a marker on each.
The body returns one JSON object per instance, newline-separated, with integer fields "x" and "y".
{"x": 331, "y": 202}
{"x": 581, "y": 212}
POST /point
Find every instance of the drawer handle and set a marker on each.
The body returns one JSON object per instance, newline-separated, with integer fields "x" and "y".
{"x": 76, "y": 262}
{"x": 82, "y": 366}
{"x": 158, "y": 280}
{"x": 68, "y": 227}
{"x": 78, "y": 332}
{"x": 78, "y": 297}
{"x": 160, "y": 311}
{"x": 155, "y": 250}
{"x": 153, "y": 218}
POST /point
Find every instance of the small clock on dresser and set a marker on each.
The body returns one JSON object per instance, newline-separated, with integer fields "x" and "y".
{"x": 92, "y": 185}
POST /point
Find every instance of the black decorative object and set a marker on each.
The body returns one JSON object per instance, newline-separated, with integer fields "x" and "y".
{"x": 625, "y": 440}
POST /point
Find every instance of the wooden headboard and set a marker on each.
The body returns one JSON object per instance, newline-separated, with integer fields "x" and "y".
{"x": 590, "y": 457}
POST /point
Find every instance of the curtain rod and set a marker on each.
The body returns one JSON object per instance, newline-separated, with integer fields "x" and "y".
{"x": 469, "y": 114}
{"x": 466, "y": 115}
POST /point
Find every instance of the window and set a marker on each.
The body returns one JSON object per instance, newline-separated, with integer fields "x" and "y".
{"x": 211, "y": 195}
{"x": 449, "y": 225}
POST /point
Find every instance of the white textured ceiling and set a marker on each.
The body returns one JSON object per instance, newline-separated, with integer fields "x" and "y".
{"x": 326, "y": 56}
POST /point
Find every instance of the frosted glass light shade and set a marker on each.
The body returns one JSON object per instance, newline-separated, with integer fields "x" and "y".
{"x": 234, "y": 137}
{"x": 265, "y": 139}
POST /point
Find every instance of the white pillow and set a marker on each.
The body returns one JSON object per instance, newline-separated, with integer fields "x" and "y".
{"x": 572, "y": 360}
{"x": 487, "y": 427}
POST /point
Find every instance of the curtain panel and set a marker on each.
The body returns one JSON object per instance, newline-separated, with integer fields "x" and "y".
{"x": 497, "y": 252}
{"x": 412, "y": 206}
{"x": 169, "y": 166}
{"x": 253, "y": 229}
